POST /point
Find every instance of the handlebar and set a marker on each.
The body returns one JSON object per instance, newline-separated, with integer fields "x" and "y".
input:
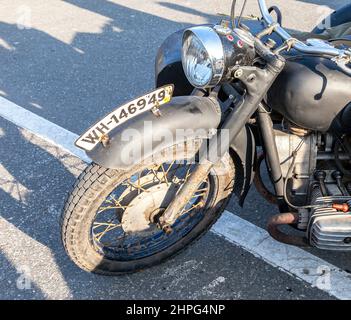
{"x": 298, "y": 45}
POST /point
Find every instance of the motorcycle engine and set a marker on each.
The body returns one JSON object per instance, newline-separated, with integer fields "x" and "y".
{"x": 316, "y": 180}
{"x": 329, "y": 229}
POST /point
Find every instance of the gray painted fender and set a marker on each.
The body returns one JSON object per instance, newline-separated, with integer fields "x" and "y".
{"x": 146, "y": 135}
{"x": 143, "y": 138}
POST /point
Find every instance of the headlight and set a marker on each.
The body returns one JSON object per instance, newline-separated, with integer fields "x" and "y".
{"x": 209, "y": 53}
{"x": 203, "y": 57}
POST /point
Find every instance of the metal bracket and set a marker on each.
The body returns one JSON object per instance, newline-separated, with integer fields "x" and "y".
{"x": 345, "y": 58}
{"x": 287, "y": 45}
{"x": 156, "y": 110}
{"x": 105, "y": 140}
{"x": 268, "y": 31}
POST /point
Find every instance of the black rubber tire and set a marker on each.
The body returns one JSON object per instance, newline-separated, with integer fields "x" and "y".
{"x": 90, "y": 190}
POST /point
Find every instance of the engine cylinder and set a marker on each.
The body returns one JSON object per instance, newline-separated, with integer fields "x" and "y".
{"x": 330, "y": 229}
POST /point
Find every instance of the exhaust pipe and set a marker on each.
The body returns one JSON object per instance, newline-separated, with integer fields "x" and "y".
{"x": 285, "y": 219}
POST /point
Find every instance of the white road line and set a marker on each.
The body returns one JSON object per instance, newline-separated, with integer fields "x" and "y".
{"x": 289, "y": 259}
{"x": 41, "y": 127}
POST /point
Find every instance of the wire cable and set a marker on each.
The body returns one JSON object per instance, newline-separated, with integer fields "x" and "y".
{"x": 288, "y": 176}
{"x": 232, "y": 14}
{"x": 241, "y": 13}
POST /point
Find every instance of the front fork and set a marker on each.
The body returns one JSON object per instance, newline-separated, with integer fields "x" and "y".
{"x": 257, "y": 81}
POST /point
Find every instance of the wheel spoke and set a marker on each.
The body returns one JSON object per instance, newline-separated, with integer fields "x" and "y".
{"x": 109, "y": 227}
{"x": 115, "y": 204}
{"x": 133, "y": 244}
{"x": 188, "y": 174}
{"x": 155, "y": 174}
{"x": 198, "y": 195}
{"x": 135, "y": 186}
{"x": 202, "y": 193}
{"x": 169, "y": 169}
{"x": 164, "y": 174}
{"x": 194, "y": 206}
{"x": 99, "y": 224}
{"x": 118, "y": 203}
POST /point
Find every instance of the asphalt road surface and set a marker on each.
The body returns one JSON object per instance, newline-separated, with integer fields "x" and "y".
{"x": 70, "y": 62}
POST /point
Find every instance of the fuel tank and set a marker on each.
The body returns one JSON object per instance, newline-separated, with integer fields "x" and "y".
{"x": 312, "y": 92}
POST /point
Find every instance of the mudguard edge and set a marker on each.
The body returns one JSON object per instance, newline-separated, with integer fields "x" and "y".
{"x": 145, "y": 135}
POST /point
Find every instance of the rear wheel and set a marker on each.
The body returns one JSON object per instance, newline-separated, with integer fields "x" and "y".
{"x": 110, "y": 220}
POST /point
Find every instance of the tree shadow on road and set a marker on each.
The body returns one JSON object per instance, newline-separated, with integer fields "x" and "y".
{"x": 71, "y": 85}
{"x": 92, "y": 74}
{"x": 331, "y": 4}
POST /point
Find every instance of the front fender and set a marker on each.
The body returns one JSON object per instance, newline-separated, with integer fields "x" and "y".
{"x": 143, "y": 137}
{"x": 184, "y": 118}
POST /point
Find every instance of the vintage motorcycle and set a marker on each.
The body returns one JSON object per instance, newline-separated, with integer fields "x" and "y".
{"x": 229, "y": 96}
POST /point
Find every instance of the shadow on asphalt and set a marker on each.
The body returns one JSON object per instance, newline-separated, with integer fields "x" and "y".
{"x": 90, "y": 75}
{"x": 328, "y": 3}
{"x": 36, "y": 183}
{"x": 38, "y": 72}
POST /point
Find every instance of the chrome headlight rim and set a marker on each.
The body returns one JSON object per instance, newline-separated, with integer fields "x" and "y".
{"x": 212, "y": 43}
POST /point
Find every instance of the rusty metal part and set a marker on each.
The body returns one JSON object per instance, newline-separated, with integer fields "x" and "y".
{"x": 156, "y": 110}
{"x": 344, "y": 207}
{"x": 167, "y": 229}
{"x": 105, "y": 140}
{"x": 287, "y": 45}
{"x": 184, "y": 195}
{"x": 260, "y": 187}
{"x": 268, "y": 31}
{"x": 301, "y": 132}
{"x": 143, "y": 209}
{"x": 285, "y": 219}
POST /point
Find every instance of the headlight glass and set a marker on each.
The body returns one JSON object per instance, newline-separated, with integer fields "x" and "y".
{"x": 202, "y": 57}
{"x": 197, "y": 63}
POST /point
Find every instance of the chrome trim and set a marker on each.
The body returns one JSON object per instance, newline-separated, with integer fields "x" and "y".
{"x": 213, "y": 44}
{"x": 300, "y": 46}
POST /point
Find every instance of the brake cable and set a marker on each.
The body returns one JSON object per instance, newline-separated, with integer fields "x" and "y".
{"x": 292, "y": 165}
{"x": 232, "y": 14}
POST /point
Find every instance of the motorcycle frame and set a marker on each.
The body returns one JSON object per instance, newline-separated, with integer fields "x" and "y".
{"x": 168, "y": 69}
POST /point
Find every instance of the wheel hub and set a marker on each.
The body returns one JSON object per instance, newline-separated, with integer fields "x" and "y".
{"x": 143, "y": 211}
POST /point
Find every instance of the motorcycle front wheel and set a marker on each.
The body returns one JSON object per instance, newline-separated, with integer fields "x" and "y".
{"x": 110, "y": 220}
